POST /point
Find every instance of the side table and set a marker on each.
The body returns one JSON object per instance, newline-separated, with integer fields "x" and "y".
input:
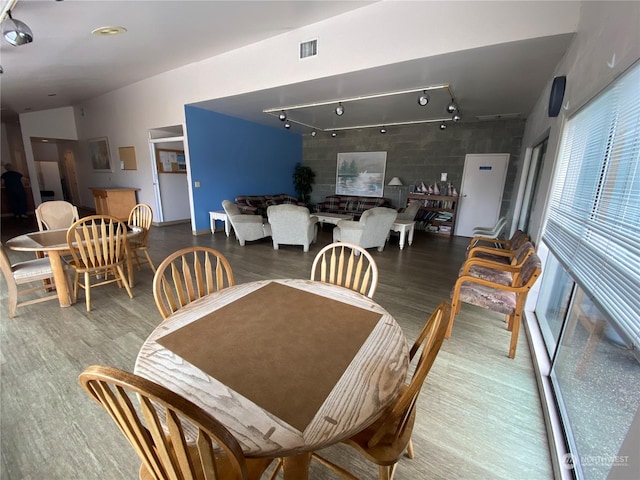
{"x": 222, "y": 216}
{"x": 404, "y": 226}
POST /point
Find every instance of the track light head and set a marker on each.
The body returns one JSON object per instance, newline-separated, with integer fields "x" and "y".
{"x": 313, "y": 133}
{"x": 443, "y": 126}
{"x": 383, "y": 130}
{"x": 334, "y": 134}
{"x": 452, "y": 107}
{"x": 340, "y": 109}
{"x": 287, "y": 125}
{"x": 456, "y": 118}
{"x": 16, "y": 32}
{"x": 282, "y": 116}
{"x": 423, "y": 99}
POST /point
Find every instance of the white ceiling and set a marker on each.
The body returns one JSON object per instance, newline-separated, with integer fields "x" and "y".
{"x": 65, "y": 60}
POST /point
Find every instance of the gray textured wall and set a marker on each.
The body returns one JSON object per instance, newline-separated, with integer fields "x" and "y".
{"x": 417, "y": 153}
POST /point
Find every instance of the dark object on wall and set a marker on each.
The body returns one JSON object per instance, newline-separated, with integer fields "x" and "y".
{"x": 556, "y": 96}
{"x": 303, "y": 178}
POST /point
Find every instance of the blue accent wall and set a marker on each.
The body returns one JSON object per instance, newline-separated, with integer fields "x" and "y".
{"x": 232, "y": 157}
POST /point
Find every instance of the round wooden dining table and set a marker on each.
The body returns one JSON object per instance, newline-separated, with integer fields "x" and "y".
{"x": 54, "y": 244}
{"x": 288, "y": 366}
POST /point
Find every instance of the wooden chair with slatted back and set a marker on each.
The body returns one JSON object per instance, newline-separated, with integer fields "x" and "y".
{"x": 141, "y": 216}
{"x": 189, "y": 274}
{"x": 347, "y": 265}
{"x": 384, "y": 442}
{"x": 98, "y": 246}
{"x": 22, "y": 273}
{"x": 157, "y": 423}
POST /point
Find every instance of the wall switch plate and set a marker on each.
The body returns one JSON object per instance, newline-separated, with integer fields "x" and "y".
{"x": 196, "y": 184}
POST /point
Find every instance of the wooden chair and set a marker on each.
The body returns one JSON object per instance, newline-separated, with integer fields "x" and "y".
{"x": 98, "y": 246}
{"x": 506, "y": 299}
{"x": 500, "y": 249}
{"x": 154, "y": 420}
{"x": 22, "y": 273}
{"x": 56, "y": 214}
{"x": 491, "y": 232}
{"x": 347, "y": 265}
{"x": 141, "y": 216}
{"x": 384, "y": 442}
{"x": 493, "y": 270}
{"x": 194, "y": 273}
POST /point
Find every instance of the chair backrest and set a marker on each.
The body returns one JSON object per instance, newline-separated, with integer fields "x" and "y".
{"x": 187, "y": 275}
{"x": 494, "y": 231}
{"x": 410, "y": 212}
{"x": 529, "y": 273}
{"x": 346, "y": 265}
{"x": 97, "y": 241}
{"x": 56, "y": 214}
{"x": 230, "y": 208}
{"x": 141, "y": 216}
{"x": 152, "y": 418}
{"x": 517, "y": 239}
{"x": 429, "y": 342}
{"x": 377, "y": 224}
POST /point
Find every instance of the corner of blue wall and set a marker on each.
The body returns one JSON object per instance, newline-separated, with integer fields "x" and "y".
{"x": 231, "y": 157}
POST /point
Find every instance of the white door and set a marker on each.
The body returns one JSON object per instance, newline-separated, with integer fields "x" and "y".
{"x": 481, "y": 191}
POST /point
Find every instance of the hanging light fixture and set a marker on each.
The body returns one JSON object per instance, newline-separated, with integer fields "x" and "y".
{"x": 340, "y": 109}
{"x": 282, "y": 116}
{"x": 334, "y": 134}
{"x": 456, "y": 118}
{"x": 452, "y": 107}
{"x": 383, "y": 130}
{"x": 287, "y": 125}
{"x": 443, "y": 126}
{"x": 313, "y": 133}
{"x": 423, "y": 99}
{"x": 16, "y": 32}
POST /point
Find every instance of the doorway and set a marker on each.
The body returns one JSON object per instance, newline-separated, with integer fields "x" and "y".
{"x": 481, "y": 191}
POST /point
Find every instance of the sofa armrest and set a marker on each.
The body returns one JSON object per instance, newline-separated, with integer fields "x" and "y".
{"x": 350, "y": 225}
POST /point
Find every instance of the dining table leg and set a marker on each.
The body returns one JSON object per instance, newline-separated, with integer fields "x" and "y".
{"x": 60, "y": 279}
{"x": 130, "y": 273}
{"x": 296, "y": 467}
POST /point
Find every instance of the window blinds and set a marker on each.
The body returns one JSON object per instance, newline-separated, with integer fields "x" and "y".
{"x": 593, "y": 224}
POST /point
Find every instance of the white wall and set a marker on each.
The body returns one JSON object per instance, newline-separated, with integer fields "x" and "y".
{"x": 606, "y": 44}
{"x": 379, "y": 34}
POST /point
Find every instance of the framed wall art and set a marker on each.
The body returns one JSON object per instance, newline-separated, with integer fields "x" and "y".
{"x": 361, "y": 173}
{"x": 99, "y": 153}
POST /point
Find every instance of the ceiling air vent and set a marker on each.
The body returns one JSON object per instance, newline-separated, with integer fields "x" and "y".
{"x": 309, "y": 49}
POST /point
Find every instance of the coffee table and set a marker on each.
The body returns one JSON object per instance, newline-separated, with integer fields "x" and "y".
{"x": 332, "y": 218}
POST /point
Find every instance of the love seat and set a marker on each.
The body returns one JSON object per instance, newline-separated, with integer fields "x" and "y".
{"x": 258, "y": 204}
{"x": 351, "y": 205}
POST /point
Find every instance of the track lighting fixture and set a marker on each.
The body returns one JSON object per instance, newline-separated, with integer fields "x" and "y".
{"x": 339, "y": 109}
{"x": 313, "y": 133}
{"x": 287, "y": 125}
{"x": 16, "y": 32}
{"x": 452, "y": 107}
{"x": 456, "y": 118}
{"x": 443, "y": 126}
{"x": 282, "y": 116}
{"x": 334, "y": 134}
{"x": 423, "y": 99}
{"x": 383, "y": 130}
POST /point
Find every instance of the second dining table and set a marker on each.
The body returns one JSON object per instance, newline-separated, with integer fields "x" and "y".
{"x": 288, "y": 366}
{"x": 54, "y": 244}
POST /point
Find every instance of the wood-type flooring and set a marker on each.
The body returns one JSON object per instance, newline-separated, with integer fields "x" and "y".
{"x": 479, "y": 413}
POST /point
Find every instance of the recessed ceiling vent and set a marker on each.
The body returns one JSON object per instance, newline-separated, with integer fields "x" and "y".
{"x": 309, "y": 49}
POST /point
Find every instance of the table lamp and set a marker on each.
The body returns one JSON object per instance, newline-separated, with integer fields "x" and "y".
{"x": 396, "y": 182}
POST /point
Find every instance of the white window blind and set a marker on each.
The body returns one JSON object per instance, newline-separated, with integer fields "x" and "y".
{"x": 593, "y": 225}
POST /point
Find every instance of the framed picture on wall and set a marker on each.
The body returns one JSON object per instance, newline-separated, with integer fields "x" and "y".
{"x": 99, "y": 153}
{"x": 361, "y": 173}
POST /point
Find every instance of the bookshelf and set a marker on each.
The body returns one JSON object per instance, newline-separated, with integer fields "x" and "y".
{"x": 437, "y": 213}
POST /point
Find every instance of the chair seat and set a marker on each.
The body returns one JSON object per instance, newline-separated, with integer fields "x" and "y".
{"x": 488, "y": 297}
{"x": 32, "y": 270}
{"x": 487, "y": 273}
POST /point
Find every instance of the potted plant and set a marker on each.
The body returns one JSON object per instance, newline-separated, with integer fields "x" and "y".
{"x": 303, "y": 178}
